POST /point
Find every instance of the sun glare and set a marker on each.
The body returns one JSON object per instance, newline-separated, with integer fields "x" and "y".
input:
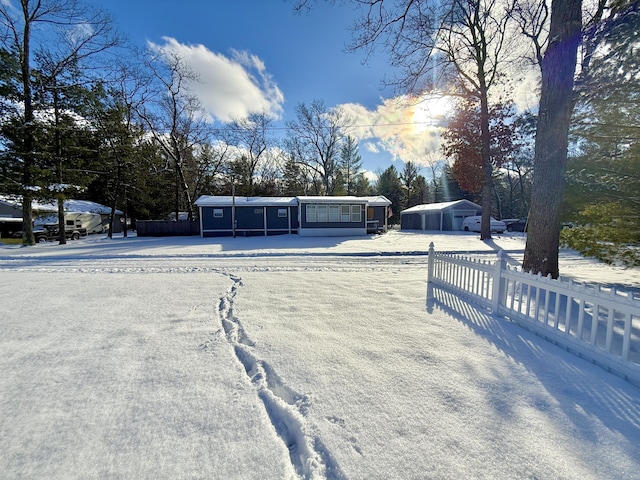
{"x": 432, "y": 110}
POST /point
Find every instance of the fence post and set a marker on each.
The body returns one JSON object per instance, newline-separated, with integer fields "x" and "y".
{"x": 430, "y": 276}
{"x": 498, "y": 283}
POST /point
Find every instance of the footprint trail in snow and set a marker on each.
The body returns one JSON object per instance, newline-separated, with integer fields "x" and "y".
{"x": 285, "y": 408}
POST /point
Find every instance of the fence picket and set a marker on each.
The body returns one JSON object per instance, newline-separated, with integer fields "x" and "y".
{"x": 518, "y": 296}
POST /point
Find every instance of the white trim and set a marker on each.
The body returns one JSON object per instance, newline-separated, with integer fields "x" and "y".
{"x": 331, "y": 232}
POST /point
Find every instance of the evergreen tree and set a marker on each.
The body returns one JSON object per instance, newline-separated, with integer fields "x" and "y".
{"x": 390, "y": 186}
{"x": 349, "y": 165}
{"x": 362, "y": 185}
{"x": 602, "y": 181}
{"x": 293, "y": 178}
{"x": 70, "y": 33}
{"x": 414, "y": 186}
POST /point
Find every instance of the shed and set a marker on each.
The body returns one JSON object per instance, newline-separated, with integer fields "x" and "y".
{"x": 222, "y": 216}
{"x": 445, "y": 216}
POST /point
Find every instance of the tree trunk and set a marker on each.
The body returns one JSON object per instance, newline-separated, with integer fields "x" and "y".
{"x": 62, "y": 227}
{"x": 28, "y": 143}
{"x": 556, "y": 106}
{"x": 487, "y": 166}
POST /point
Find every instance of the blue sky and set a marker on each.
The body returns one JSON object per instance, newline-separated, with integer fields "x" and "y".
{"x": 260, "y": 54}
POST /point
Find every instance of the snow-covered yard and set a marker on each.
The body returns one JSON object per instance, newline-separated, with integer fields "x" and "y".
{"x": 289, "y": 357}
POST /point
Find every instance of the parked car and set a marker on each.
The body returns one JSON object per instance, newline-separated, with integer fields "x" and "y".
{"x": 49, "y": 233}
{"x": 516, "y": 225}
{"x": 472, "y": 224}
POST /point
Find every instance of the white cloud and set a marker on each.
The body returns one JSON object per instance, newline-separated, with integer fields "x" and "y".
{"x": 371, "y": 176}
{"x": 229, "y": 87}
{"x": 408, "y": 129}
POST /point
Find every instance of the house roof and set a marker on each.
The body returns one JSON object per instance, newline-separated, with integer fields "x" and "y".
{"x": 69, "y": 205}
{"x": 442, "y": 206}
{"x": 228, "y": 200}
{"x": 378, "y": 201}
{"x": 222, "y": 200}
{"x": 327, "y": 199}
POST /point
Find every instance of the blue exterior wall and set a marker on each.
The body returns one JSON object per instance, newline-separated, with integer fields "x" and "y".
{"x": 209, "y": 222}
{"x": 250, "y": 220}
{"x": 278, "y": 224}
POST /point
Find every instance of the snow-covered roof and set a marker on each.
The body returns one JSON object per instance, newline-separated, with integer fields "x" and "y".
{"x": 16, "y": 202}
{"x": 87, "y": 206}
{"x": 378, "y": 201}
{"x": 326, "y": 199}
{"x": 228, "y": 200}
{"x": 439, "y": 207}
{"x": 69, "y": 205}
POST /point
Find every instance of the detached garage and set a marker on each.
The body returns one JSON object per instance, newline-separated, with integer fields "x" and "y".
{"x": 446, "y": 216}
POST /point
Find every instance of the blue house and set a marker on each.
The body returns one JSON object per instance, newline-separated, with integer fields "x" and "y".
{"x": 304, "y": 215}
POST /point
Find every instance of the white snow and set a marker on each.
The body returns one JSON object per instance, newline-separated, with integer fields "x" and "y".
{"x": 287, "y": 357}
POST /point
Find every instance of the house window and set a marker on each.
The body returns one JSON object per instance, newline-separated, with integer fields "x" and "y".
{"x": 282, "y": 212}
{"x": 345, "y": 216}
{"x": 323, "y": 214}
{"x": 312, "y": 213}
{"x": 355, "y": 213}
{"x": 218, "y": 213}
{"x": 334, "y": 213}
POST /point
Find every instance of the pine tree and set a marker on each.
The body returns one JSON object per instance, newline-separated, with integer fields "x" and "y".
{"x": 349, "y": 165}
{"x": 389, "y": 185}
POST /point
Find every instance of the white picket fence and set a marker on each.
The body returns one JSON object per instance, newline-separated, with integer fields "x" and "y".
{"x": 601, "y": 325}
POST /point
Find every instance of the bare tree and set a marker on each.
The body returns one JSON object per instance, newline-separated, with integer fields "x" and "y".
{"x": 176, "y": 120}
{"x": 122, "y": 145}
{"x": 316, "y": 137}
{"x": 461, "y": 41}
{"x": 252, "y": 136}
{"x": 71, "y": 32}
{"x": 435, "y": 167}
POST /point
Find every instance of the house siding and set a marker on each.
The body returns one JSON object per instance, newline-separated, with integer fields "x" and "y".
{"x": 262, "y": 215}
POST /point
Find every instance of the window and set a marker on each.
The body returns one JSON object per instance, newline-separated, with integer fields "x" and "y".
{"x": 282, "y": 212}
{"x": 322, "y": 213}
{"x": 334, "y": 213}
{"x": 312, "y": 215}
{"x": 218, "y": 213}
{"x": 355, "y": 213}
{"x": 344, "y": 213}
